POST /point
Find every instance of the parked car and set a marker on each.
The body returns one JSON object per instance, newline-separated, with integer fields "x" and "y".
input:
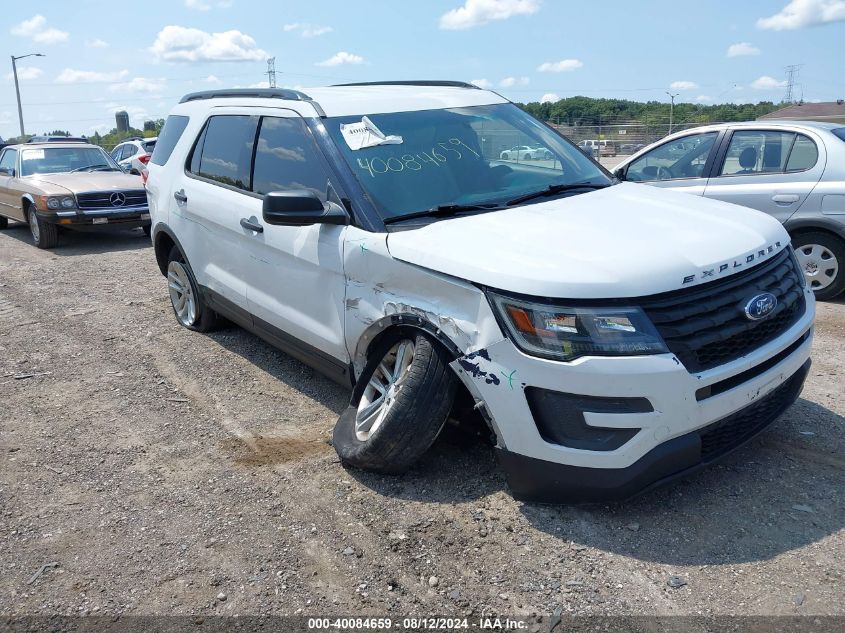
{"x": 68, "y": 185}
{"x": 133, "y": 154}
{"x": 361, "y": 229}
{"x": 522, "y": 152}
{"x": 628, "y": 149}
{"x": 596, "y": 147}
{"x": 792, "y": 170}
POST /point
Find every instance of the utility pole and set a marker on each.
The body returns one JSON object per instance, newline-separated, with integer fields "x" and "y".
{"x": 672, "y": 109}
{"x": 17, "y": 87}
{"x": 791, "y": 79}
{"x": 271, "y": 72}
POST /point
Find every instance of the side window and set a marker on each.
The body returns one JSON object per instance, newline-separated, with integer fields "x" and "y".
{"x": 757, "y": 152}
{"x": 287, "y": 158}
{"x": 129, "y": 150}
{"x": 170, "y": 134}
{"x": 804, "y": 154}
{"x": 9, "y": 159}
{"x": 116, "y": 152}
{"x": 681, "y": 158}
{"x": 226, "y": 152}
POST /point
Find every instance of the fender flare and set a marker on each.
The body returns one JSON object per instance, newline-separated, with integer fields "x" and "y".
{"x": 159, "y": 230}
{"x": 27, "y": 197}
{"x": 816, "y": 224}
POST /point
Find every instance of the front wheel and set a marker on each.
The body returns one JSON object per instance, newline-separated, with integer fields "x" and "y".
{"x": 398, "y": 407}
{"x": 44, "y": 234}
{"x": 822, "y": 258}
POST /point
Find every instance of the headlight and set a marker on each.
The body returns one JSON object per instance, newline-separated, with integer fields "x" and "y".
{"x": 59, "y": 202}
{"x": 563, "y": 333}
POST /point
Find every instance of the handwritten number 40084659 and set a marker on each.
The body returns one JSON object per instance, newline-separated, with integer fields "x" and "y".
{"x": 440, "y": 153}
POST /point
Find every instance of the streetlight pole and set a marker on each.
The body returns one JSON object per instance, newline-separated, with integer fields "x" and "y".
{"x": 17, "y": 87}
{"x": 671, "y": 109}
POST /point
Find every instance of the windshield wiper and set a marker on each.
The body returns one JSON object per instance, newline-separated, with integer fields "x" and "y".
{"x": 555, "y": 189}
{"x": 442, "y": 211}
{"x": 97, "y": 165}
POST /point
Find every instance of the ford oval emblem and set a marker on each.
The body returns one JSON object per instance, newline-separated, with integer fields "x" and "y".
{"x": 761, "y": 306}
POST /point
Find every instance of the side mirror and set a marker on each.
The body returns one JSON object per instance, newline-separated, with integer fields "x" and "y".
{"x": 8, "y": 171}
{"x": 300, "y": 207}
{"x": 619, "y": 173}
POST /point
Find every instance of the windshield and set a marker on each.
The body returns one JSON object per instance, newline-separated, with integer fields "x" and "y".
{"x": 458, "y": 156}
{"x": 55, "y": 160}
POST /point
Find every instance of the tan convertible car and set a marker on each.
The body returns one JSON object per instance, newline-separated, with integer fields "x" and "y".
{"x": 71, "y": 185}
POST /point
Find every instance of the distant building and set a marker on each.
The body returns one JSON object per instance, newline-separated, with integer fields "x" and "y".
{"x": 829, "y": 112}
{"x": 122, "y": 120}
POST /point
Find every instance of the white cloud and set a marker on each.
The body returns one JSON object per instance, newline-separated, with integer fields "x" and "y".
{"x": 509, "y": 82}
{"x": 137, "y": 114}
{"x": 71, "y": 76}
{"x": 482, "y": 83}
{"x": 211, "y": 79}
{"x": 36, "y": 29}
{"x": 703, "y": 99}
{"x": 478, "y": 12}
{"x": 97, "y": 43}
{"x": 197, "y": 5}
{"x": 140, "y": 84}
{"x": 683, "y": 85}
{"x": 800, "y": 13}
{"x": 308, "y": 30}
{"x": 742, "y": 49}
{"x": 341, "y": 58}
{"x": 181, "y": 44}
{"x": 26, "y": 72}
{"x": 260, "y": 84}
{"x": 767, "y": 83}
{"x": 549, "y": 97}
{"x": 563, "y": 66}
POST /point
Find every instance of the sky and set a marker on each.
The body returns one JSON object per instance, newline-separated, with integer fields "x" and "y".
{"x": 102, "y": 56}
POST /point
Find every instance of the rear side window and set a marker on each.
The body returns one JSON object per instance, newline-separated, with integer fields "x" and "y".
{"x": 149, "y": 146}
{"x": 170, "y": 135}
{"x": 840, "y": 132}
{"x": 225, "y": 150}
{"x": 287, "y": 158}
{"x": 804, "y": 154}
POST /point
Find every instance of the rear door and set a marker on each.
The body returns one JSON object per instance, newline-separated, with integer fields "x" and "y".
{"x": 10, "y": 204}
{"x": 210, "y": 203}
{"x": 681, "y": 164}
{"x": 771, "y": 170}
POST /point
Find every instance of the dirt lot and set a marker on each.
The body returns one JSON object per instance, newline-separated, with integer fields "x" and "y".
{"x": 171, "y": 472}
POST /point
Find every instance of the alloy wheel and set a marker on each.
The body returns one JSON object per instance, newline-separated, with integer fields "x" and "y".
{"x": 181, "y": 293}
{"x": 33, "y": 227}
{"x": 380, "y": 393}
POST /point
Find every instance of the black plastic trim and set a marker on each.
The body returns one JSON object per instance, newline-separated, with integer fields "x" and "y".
{"x": 247, "y": 93}
{"x": 541, "y": 481}
{"x": 419, "y": 82}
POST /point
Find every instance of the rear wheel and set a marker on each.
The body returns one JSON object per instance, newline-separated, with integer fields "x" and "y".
{"x": 399, "y": 406}
{"x": 44, "y": 234}
{"x": 822, "y": 260}
{"x": 188, "y": 306}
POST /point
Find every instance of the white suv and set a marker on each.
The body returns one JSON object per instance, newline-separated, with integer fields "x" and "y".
{"x": 612, "y": 336}
{"x": 133, "y": 154}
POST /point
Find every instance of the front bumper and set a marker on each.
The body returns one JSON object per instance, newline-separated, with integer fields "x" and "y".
{"x": 78, "y": 219}
{"x": 683, "y": 406}
{"x": 547, "y": 482}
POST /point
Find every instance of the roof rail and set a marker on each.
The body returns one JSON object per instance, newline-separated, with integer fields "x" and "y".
{"x": 257, "y": 93}
{"x": 417, "y": 82}
{"x": 57, "y": 139}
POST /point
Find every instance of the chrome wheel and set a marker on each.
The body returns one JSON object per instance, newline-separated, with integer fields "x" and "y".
{"x": 381, "y": 391}
{"x": 181, "y": 293}
{"x": 33, "y": 227}
{"x": 819, "y": 265}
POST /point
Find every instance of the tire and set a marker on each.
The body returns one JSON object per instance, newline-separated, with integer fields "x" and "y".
{"x": 191, "y": 313}
{"x": 4, "y": 223}
{"x": 147, "y": 229}
{"x": 505, "y": 156}
{"x": 416, "y": 410}
{"x": 822, "y": 259}
{"x": 44, "y": 234}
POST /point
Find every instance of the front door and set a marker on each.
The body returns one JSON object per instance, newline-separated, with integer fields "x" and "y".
{"x": 680, "y": 164}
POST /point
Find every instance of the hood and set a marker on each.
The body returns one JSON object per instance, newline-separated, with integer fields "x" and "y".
{"x": 623, "y": 241}
{"x": 81, "y": 182}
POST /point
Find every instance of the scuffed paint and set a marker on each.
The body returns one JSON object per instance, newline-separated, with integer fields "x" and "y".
{"x": 474, "y": 368}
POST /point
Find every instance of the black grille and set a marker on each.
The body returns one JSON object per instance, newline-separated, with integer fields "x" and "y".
{"x": 706, "y": 326}
{"x": 728, "y": 433}
{"x": 103, "y": 199}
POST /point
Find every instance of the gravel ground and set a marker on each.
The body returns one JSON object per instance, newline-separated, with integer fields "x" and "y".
{"x": 162, "y": 471}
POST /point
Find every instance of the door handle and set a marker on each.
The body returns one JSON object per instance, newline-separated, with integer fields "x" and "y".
{"x": 180, "y": 196}
{"x": 785, "y": 198}
{"x": 251, "y": 226}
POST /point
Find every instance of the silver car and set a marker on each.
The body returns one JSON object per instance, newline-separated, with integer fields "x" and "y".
{"x": 793, "y": 170}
